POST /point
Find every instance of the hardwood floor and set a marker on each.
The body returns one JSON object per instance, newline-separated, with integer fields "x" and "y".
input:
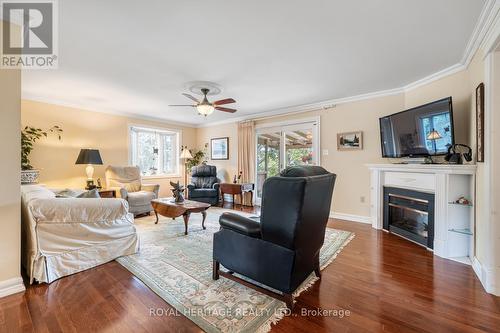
{"x": 386, "y": 283}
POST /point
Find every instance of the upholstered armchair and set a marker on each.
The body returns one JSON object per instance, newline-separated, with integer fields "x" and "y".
{"x": 127, "y": 181}
{"x": 282, "y": 249}
{"x": 204, "y": 185}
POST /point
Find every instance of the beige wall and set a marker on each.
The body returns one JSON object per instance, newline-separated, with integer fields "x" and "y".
{"x": 494, "y": 151}
{"x": 226, "y": 169}
{"x": 10, "y": 166}
{"x": 85, "y": 129}
{"x": 352, "y": 190}
{"x": 109, "y": 134}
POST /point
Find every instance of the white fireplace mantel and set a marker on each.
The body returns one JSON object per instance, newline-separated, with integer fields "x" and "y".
{"x": 447, "y": 182}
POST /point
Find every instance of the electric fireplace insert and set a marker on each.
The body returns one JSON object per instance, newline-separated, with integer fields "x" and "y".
{"x": 410, "y": 214}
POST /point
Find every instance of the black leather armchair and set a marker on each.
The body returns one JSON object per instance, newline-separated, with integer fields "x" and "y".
{"x": 281, "y": 250}
{"x": 204, "y": 185}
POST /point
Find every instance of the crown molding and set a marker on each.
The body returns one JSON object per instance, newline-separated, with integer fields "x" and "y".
{"x": 324, "y": 105}
{"x": 492, "y": 35}
{"x": 435, "y": 77}
{"x": 481, "y": 29}
{"x": 39, "y": 99}
{"x": 485, "y": 36}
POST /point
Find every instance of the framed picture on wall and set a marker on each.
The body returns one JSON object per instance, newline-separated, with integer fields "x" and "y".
{"x": 219, "y": 148}
{"x": 350, "y": 141}
{"x": 480, "y": 122}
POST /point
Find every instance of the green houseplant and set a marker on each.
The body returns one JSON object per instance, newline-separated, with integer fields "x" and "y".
{"x": 30, "y": 135}
{"x": 197, "y": 159}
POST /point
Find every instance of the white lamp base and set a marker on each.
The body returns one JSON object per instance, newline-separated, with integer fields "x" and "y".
{"x": 90, "y": 172}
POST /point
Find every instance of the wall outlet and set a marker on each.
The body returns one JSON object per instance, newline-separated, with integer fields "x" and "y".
{"x": 325, "y": 152}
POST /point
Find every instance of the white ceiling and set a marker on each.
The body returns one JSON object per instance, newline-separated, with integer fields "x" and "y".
{"x": 134, "y": 57}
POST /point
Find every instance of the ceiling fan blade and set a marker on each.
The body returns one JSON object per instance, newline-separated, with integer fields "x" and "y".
{"x": 182, "y": 105}
{"x": 191, "y": 97}
{"x": 225, "y": 109}
{"x": 224, "y": 101}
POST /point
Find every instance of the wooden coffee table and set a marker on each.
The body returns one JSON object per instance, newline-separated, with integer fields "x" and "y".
{"x": 168, "y": 208}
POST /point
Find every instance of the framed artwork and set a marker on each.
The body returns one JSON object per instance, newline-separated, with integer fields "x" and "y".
{"x": 480, "y": 122}
{"x": 219, "y": 148}
{"x": 350, "y": 141}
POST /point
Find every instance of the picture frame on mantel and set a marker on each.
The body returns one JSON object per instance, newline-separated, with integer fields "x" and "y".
{"x": 480, "y": 122}
{"x": 219, "y": 148}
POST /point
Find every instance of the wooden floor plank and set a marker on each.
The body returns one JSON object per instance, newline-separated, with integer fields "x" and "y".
{"x": 388, "y": 284}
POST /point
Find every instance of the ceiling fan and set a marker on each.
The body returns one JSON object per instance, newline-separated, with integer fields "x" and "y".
{"x": 205, "y": 108}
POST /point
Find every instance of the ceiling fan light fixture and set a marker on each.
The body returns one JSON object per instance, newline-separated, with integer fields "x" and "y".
{"x": 205, "y": 109}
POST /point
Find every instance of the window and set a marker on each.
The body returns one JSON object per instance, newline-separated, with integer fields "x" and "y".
{"x": 441, "y": 123}
{"x": 154, "y": 151}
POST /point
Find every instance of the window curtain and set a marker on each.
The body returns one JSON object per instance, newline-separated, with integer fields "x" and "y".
{"x": 246, "y": 154}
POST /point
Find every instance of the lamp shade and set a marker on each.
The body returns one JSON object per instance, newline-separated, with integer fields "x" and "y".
{"x": 89, "y": 156}
{"x": 185, "y": 154}
{"x": 205, "y": 109}
{"x": 434, "y": 135}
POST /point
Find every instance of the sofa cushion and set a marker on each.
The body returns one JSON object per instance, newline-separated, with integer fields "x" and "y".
{"x": 203, "y": 192}
{"x": 140, "y": 198}
{"x": 90, "y": 194}
{"x": 67, "y": 193}
{"x": 134, "y": 186}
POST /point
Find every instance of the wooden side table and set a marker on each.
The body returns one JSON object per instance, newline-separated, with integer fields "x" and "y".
{"x": 104, "y": 193}
{"x": 237, "y": 189}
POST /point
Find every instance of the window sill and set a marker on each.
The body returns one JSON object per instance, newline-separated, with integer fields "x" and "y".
{"x": 161, "y": 176}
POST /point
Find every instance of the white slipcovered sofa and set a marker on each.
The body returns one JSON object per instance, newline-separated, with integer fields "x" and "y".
{"x": 62, "y": 236}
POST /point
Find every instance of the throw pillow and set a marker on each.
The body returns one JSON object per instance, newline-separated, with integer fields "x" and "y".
{"x": 133, "y": 187}
{"x": 90, "y": 194}
{"x": 67, "y": 193}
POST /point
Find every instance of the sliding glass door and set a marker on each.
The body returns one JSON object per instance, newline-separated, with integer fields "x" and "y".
{"x": 268, "y": 156}
{"x": 287, "y": 145}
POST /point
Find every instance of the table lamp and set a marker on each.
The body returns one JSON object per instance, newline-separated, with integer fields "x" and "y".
{"x": 90, "y": 157}
{"x": 433, "y": 136}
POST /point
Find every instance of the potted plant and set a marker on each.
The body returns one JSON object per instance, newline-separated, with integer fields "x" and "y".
{"x": 197, "y": 159}
{"x": 29, "y": 135}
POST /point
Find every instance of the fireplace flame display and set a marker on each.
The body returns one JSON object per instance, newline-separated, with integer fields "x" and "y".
{"x": 410, "y": 214}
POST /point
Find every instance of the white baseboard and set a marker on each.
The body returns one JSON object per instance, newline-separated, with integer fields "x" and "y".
{"x": 350, "y": 217}
{"x": 487, "y": 277}
{"x": 11, "y": 286}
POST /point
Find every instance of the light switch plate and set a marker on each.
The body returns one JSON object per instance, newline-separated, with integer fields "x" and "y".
{"x": 325, "y": 152}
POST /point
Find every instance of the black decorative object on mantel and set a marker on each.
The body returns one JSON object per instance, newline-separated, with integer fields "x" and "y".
{"x": 455, "y": 154}
{"x": 177, "y": 191}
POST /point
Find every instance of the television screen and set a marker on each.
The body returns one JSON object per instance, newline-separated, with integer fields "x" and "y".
{"x": 422, "y": 131}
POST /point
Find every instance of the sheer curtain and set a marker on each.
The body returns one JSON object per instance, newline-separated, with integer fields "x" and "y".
{"x": 246, "y": 154}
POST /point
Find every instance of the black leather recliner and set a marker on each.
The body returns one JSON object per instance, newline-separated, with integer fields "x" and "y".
{"x": 204, "y": 185}
{"x": 281, "y": 250}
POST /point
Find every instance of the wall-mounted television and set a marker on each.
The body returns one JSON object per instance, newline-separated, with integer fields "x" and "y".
{"x": 425, "y": 130}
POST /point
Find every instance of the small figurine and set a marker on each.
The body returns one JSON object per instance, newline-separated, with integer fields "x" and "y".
{"x": 237, "y": 180}
{"x": 177, "y": 191}
{"x": 463, "y": 201}
{"x": 99, "y": 185}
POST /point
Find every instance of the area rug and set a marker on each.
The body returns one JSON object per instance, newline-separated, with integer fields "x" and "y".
{"x": 179, "y": 269}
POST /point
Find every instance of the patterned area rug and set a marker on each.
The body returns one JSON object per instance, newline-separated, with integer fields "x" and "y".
{"x": 179, "y": 269}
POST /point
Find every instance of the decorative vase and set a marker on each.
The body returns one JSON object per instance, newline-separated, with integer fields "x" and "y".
{"x": 29, "y": 176}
